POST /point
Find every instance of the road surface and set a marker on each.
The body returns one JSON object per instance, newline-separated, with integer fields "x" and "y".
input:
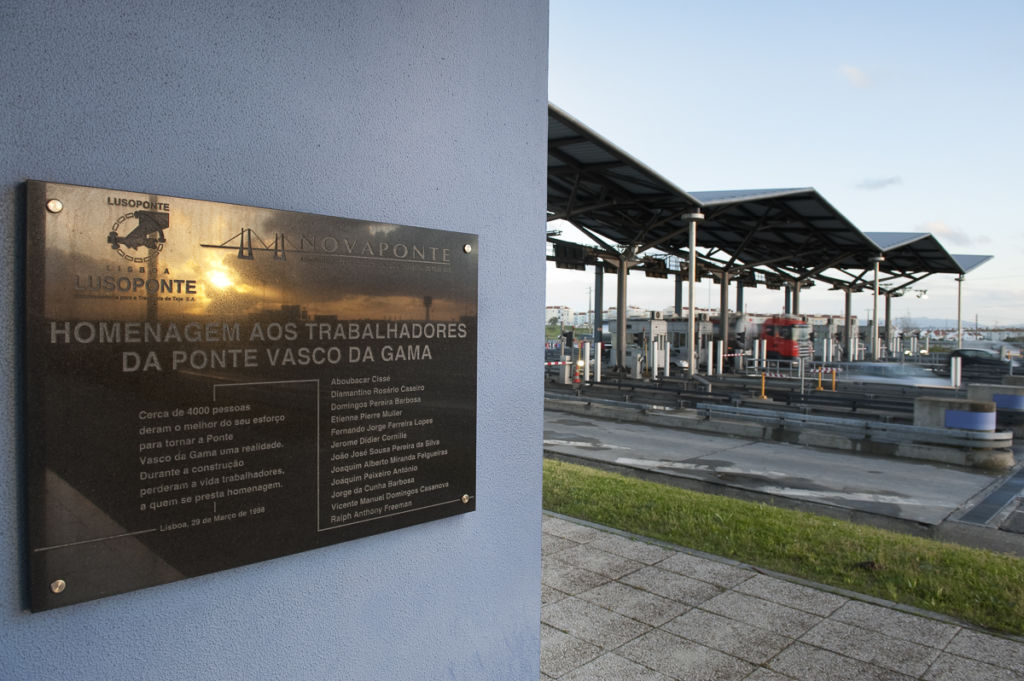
{"x": 909, "y": 490}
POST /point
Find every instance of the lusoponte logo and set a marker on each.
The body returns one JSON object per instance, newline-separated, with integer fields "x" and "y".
{"x": 137, "y": 230}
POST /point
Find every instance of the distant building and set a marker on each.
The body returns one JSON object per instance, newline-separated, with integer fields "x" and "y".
{"x": 561, "y": 313}
{"x": 631, "y": 311}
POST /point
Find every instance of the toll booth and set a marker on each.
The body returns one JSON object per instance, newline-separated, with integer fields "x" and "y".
{"x": 678, "y": 333}
{"x": 825, "y": 328}
{"x": 647, "y": 345}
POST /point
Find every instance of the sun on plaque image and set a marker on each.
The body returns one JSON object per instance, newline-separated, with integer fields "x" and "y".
{"x": 210, "y": 385}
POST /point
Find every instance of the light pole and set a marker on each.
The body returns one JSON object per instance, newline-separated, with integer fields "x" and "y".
{"x": 590, "y": 309}
{"x": 690, "y": 327}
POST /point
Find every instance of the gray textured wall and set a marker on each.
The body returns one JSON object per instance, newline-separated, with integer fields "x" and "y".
{"x": 429, "y": 113}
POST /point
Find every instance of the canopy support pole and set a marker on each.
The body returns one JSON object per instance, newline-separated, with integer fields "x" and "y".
{"x": 679, "y": 294}
{"x": 959, "y": 311}
{"x": 621, "y": 314}
{"x": 848, "y": 318}
{"x": 888, "y": 321}
{"x": 723, "y": 312}
{"x": 598, "y": 303}
{"x": 874, "y": 314}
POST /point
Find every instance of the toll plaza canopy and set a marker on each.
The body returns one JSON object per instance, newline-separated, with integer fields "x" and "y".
{"x": 774, "y": 237}
{"x": 605, "y": 192}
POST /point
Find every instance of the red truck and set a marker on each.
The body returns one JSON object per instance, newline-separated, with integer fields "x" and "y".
{"x": 786, "y": 336}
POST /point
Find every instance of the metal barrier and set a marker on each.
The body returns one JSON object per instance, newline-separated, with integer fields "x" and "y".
{"x": 880, "y": 432}
{"x": 774, "y": 368}
{"x": 587, "y": 364}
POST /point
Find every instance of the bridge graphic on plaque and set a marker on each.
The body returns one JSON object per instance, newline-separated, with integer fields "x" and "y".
{"x": 242, "y": 242}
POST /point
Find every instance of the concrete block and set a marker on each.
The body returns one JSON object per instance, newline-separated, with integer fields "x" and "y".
{"x": 989, "y": 459}
{"x": 817, "y": 438}
{"x": 950, "y": 455}
{"x": 992, "y": 459}
{"x": 944, "y": 412}
{"x": 1008, "y": 398}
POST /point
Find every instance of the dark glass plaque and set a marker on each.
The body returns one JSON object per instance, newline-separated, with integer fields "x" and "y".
{"x": 210, "y": 385}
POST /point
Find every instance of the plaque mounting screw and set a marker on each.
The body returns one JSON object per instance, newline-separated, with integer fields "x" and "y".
{"x": 54, "y": 206}
{"x": 58, "y": 586}
{"x": 465, "y": 498}
{"x": 467, "y": 248}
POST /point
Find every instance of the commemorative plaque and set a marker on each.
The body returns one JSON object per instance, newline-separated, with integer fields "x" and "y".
{"x": 211, "y": 385}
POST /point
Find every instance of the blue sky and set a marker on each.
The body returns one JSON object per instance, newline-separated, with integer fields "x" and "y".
{"x": 906, "y": 116}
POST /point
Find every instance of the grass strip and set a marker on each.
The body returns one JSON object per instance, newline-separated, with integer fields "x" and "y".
{"x": 978, "y": 586}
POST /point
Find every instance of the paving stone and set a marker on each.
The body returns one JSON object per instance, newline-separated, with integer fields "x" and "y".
{"x": 682, "y": 659}
{"x": 672, "y": 585}
{"x": 550, "y": 544}
{"x": 802, "y": 661}
{"x": 568, "y": 578}
{"x": 550, "y": 595}
{"x": 897, "y": 624}
{"x": 591, "y": 623}
{"x": 706, "y": 570}
{"x": 794, "y": 595}
{"x": 641, "y": 605}
{"x": 611, "y": 667}
{"x": 567, "y": 530}
{"x": 762, "y": 674}
{"x": 601, "y": 562}
{"x": 1000, "y": 652}
{"x": 634, "y": 549}
{"x": 560, "y": 653}
{"x": 955, "y": 668}
{"x": 723, "y": 622}
{"x": 756, "y": 612}
{"x": 728, "y": 636}
{"x": 871, "y": 646}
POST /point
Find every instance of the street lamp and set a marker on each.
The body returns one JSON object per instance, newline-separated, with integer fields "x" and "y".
{"x": 878, "y": 259}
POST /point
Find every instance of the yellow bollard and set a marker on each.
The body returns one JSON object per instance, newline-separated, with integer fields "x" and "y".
{"x": 820, "y": 372}
{"x": 763, "y": 395}
{"x": 834, "y": 370}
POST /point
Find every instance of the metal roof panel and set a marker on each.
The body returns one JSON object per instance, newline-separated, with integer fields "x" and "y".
{"x": 711, "y": 198}
{"x": 970, "y": 262}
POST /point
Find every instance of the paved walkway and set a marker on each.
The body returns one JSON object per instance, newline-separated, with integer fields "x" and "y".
{"x": 618, "y": 609}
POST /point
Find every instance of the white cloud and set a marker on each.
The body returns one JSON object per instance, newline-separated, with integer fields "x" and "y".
{"x": 856, "y": 76}
{"x": 879, "y": 182}
{"x": 944, "y": 232}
